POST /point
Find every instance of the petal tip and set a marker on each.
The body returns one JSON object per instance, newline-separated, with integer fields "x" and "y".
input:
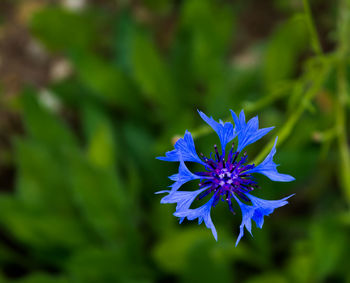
{"x": 161, "y": 192}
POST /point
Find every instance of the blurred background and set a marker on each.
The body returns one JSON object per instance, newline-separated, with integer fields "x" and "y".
{"x": 91, "y": 91}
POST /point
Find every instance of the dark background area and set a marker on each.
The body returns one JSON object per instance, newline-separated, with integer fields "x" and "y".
{"x": 92, "y": 91}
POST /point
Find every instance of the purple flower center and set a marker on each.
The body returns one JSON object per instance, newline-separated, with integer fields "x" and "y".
{"x": 226, "y": 177}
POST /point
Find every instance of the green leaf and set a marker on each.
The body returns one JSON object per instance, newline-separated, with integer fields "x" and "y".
{"x": 63, "y": 30}
{"x": 101, "y": 148}
{"x": 43, "y": 126}
{"x": 177, "y": 248}
{"x": 151, "y": 73}
{"x": 287, "y": 43}
{"x": 268, "y": 277}
{"x": 137, "y": 140}
{"x": 105, "y": 81}
{"x": 40, "y": 229}
{"x": 300, "y": 266}
{"x": 40, "y": 277}
{"x": 42, "y": 177}
{"x": 327, "y": 254}
{"x": 210, "y": 27}
{"x": 100, "y": 199}
{"x": 207, "y": 263}
{"x": 105, "y": 265}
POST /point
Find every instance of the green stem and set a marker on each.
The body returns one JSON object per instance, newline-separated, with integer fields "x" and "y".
{"x": 342, "y": 95}
{"x": 315, "y": 41}
{"x": 317, "y": 82}
{"x": 249, "y": 107}
{"x": 344, "y": 153}
{"x": 284, "y": 133}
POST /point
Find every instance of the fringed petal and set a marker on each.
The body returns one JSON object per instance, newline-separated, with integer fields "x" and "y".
{"x": 269, "y": 168}
{"x": 225, "y": 131}
{"x": 256, "y": 211}
{"x": 248, "y": 133}
{"x": 202, "y": 213}
{"x": 185, "y": 148}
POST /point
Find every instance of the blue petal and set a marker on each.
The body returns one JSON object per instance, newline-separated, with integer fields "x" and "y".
{"x": 257, "y": 211}
{"x": 265, "y": 207}
{"x": 248, "y": 132}
{"x": 185, "y": 148}
{"x": 247, "y": 214}
{"x": 202, "y": 213}
{"x": 183, "y": 199}
{"x": 183, "y": 176}
{"x": 225, "y": 131}
{"x": 269, "y": 168}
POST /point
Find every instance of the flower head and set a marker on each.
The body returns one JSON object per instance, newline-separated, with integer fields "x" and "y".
{"x": 226, "y": 177}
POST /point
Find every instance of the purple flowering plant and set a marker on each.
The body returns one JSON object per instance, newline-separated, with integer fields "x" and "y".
{"x": 226, "y": 177}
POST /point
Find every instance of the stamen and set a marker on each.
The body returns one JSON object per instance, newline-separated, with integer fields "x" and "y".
{"x": 204, "y": 194}
{"x": 209, "y": 162}
{"x": 242, "y": 196}
{"x": 202, "y": 156}
{"x": 228, "y": 200}
{"x": 216, "y": 198}
{"x": 217, "y": 152}
{"x": 204, "y": 184}
{"x": 226, "y": 176}
{"x": 236, "y": 155}
{"x": 246, "y": 189}
{"x": 229, "y": 156}
{"x": 244, "y": 175}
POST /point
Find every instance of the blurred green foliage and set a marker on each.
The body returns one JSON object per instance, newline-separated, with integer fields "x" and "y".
{"x": 83, "y": 208}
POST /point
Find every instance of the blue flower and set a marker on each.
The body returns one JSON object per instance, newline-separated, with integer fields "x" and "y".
{"x": 256, "y": 211}
{"x": 183, "y": 199}
{"x": 202, "y": 213}
{"x": 184, "y": 148}
{"x": 269, "y": 168}
{"x": 248, "y": 132}
{"x": 225, "y": 177}
{"x": 225, "y": 131}
{"x": 182, "y": 177}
